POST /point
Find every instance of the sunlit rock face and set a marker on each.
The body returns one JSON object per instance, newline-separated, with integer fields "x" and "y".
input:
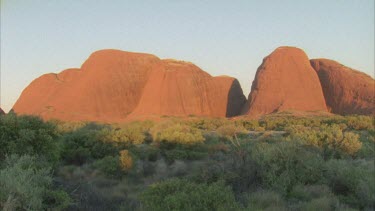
{"x": 285, "y": 81}
{"x": 113, "y": 85}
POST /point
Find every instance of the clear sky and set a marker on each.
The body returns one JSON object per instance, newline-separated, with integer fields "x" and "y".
{"x": 221, "y": 37}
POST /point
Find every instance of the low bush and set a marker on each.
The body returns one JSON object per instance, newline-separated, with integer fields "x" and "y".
{"x": 180, "y": 194}
{"x": 126, "y": 160}
{"x": 353, "y": 181}
{"x": 176, "y": 133}
{"x": 360, "y": 122}
{"x": 28, "y": 135}
{"x": 132, "y": 133}
{"x": 231, "y": 132}
{"x": 265, "y": 200}
{"x": 109, "y": 165}
{"x": 84, "y": 145}
{"x": 331, "y": 139}
{"x": 26, "y": 183}
{"x": 284, "y": 164}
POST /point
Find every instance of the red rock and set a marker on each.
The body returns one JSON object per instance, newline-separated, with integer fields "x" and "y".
{"x": 180, "y": 89}
{"x": 106, "y": 88}
{"x": 346, "y": 91}
{"x": 285, "y": 81}
{"x": 113, "y": 84}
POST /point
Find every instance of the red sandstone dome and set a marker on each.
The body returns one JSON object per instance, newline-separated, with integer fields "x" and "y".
{"x": 346, "y": 91}
{"x": 180, "y": 88}
{"x": 112, "y": 84}
{"x": 285, "y": 81}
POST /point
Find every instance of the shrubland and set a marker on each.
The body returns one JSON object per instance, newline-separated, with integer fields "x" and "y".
{"x": 274, "y": 163}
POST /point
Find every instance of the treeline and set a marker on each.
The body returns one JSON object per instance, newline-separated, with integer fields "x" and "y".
{"x": 275, "y": 163}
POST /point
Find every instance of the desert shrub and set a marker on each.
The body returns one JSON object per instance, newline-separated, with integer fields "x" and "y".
{"x": 25, "y": 184}
{"x": 109, "y": 165}
{"x": 331, "y": 139}
{"x": 84, "y": 145}
{"x": 28, "y": 135}
{"x": 282, "y": 165}
{"x": 180, "y": 194}
{"x": 247, "y": 124}
{"x": 265, "y": 200}
{"x": 231, "y": 132}
{"x": 93, "y": 191}
{"x": 131, "y": 133}
{"x": 57, "y": 199}
{"x": 126, "y": 160}
{"x": 360, "y": 122}
{"x": 182, "y": 154}
{"x": 321, "y": 203}
{"x": 176, "y": 133}
{"x": 146, "y": 152}
{"x": 368, "y": 145}
{"x": 66, "y": 127}
{"x": 308, "y": 192}
{"x": 208, "y": 124}
{"x": 353, "y": 181}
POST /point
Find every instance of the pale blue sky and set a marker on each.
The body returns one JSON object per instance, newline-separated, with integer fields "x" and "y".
{"x": 221, "y": 37}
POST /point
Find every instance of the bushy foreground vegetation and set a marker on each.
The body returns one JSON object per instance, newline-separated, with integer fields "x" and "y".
{"x": 275, "y": 163}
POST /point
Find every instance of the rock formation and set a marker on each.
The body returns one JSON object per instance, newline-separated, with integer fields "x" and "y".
{"x": 180, "y": 88}
{"x": 111, "y": 84}
{"x": 346, "y": 91}
{"x": 285, "y": 81}
{"x": 107, "y": 87}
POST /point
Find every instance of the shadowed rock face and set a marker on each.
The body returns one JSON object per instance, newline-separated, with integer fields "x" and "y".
{"x": 346, "y": 91}
{"x": 236, "y": 99}
{"x": 1, "y": 111}
{"x": 285, "y": 81}
{"x": 112, "y": 85}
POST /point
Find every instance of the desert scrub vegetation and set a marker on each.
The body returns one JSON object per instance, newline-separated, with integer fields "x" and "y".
{"x": 333, "y": 140}
{"x": 176, "y": 132}
{"x": 181, "y": 194}
{"x": 274, "y": 163}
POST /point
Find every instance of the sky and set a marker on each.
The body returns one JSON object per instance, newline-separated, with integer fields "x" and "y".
{"x": 221, "y": 37}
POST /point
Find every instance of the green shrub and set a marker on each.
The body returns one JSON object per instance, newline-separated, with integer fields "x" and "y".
{"x": 321, "y": 203}
{"x": 368, "y": 145}
{"x": 109, "y": 165}
{"x": 28, "y": 135}
{"x": 180, "y": 194}
{"x": 25, "y": 184}
{"x": 84, "y": 145}
{"x": 353, "y": 181}
{"x": 282, "y": 165}
{"x": 309, "y": 192}
{"x": 265, "y": 200}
